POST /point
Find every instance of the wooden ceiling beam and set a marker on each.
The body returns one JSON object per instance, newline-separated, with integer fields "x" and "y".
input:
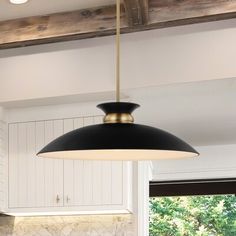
{"x": 136, "y": 12}
{"x": 58, "y": 27}
{"x": 100, "y": 21}
{"x": 168, "y": 13}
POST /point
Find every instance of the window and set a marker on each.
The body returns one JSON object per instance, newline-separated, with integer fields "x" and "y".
{"x": 193, "y": 208}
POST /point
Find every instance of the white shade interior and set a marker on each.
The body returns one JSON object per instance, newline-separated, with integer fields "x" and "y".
{"x": 121, "y": 154}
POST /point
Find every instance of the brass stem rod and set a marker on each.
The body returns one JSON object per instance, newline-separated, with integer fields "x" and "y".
{"x": 117, "y": 50}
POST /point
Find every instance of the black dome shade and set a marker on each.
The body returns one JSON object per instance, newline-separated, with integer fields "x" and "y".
{"x": 129, "y": 141}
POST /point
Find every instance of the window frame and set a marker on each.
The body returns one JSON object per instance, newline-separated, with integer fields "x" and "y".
{"x": 192, "y": 187}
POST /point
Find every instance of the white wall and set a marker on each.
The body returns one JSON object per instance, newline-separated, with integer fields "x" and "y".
{"x": 2, "y": 114}
{"x": 201, "y": 113}
{"x": 52, "y": 112}
{"x": 214, "y": 162}
{"x": 3, "y": 159}
{"x": 182, "y": 54}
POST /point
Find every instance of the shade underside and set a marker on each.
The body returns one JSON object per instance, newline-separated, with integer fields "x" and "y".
{"x": 117, "y": 155}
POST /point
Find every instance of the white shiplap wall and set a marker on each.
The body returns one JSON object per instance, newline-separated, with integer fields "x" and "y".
{"x": 3, "y": 159}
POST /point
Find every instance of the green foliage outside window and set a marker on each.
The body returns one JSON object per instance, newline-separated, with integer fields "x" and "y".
{"x": 193, "y": 216}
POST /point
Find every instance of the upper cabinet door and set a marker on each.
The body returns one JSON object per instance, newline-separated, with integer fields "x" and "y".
{"x": 77, "y": 173}
{"x": 21, "y": 164}
{"x": 92, "y": 183}
{"x": 34, "y": 182}
{"x": 53, "y": 168}
{"x": 72, "y": 169}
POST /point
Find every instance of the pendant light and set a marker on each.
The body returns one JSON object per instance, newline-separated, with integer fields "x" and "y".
{"x": 118, "y": 138}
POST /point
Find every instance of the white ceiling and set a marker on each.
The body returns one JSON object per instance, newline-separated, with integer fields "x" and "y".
{"x": 42, "y": 7}
{"x": 202, "y": 113}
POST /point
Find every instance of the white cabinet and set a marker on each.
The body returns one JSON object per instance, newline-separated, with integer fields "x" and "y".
{"x": 34, "y": 182}
{"x": 37, "y": 184}
{"x": 73, "y": 171}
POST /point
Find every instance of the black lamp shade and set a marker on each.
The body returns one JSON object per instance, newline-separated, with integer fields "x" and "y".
{"x": 118, "y": 142}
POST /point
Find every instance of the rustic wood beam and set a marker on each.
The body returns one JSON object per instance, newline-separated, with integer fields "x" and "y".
{"x": 100, "y": 21}
{"x": 136, "y": 12}
{"x": 58, "y": 27}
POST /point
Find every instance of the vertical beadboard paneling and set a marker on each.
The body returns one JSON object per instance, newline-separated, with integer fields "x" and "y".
{"x": 40, "y": 165}
{"x": 78, "y": 123}
{"x": 31, "y": 177}
{"x": 78, "y": 175}
{"x": 3, "y": 162}
{"x": 117, "y": 182}
{"x": 98, "y": 119}
{"x": 105, "y": 170}
{"x": 109, "y": 176}
{"x": 68, "y": 169}
{"x": 13, "y": 166}
{"x": 97, "y": 174}
{"x": 50, "y": 198}
{"x": 22, "y": 165}
{"x": 106, "y": 182}
{"x": 78, "y": 183}
{"x": 97, "y": 182}
{"x": 58, "y": 172}
{"x": 88, "y": 173}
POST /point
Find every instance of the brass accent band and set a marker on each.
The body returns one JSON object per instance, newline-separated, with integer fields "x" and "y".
{"x": 118, "y": 118}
